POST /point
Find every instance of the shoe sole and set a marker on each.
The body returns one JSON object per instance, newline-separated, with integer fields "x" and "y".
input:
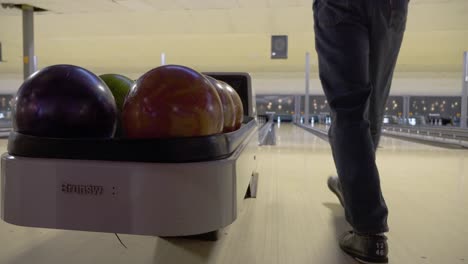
{"x": 370, "y": 262}
{"x": 365, "y": 260}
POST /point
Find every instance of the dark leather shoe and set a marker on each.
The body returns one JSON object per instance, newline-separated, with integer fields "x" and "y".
{"x": 365, "y": 248}
{"x": 335, "y": 186}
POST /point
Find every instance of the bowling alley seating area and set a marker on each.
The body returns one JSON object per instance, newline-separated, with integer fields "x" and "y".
{"x": 6, "y": 101}
{"x": 431, "y": 120}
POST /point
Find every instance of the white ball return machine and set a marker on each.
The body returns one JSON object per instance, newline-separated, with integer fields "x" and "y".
{"x": 168, "y": 188}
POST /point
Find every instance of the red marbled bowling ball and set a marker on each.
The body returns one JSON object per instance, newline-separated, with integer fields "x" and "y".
{"x": 238, "y": 108}
{"x": 228, "y": 105}
{"x": 172, "y": 101}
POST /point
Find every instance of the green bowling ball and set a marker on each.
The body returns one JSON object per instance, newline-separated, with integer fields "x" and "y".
{"x": 119, "y": 85}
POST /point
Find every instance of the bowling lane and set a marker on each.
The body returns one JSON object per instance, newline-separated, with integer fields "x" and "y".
{"x": 294, "y": 219}
{"x": 425, "y": 187}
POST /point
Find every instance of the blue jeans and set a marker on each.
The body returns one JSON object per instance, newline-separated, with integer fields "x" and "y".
{"x": 357, "y": 42}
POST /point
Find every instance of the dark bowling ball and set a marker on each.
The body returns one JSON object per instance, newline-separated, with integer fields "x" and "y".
{"x": 172, "y": 101}
{"x": 65, "y": 101}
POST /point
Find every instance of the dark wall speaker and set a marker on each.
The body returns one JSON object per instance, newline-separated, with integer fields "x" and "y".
{"x": 1, "y": 58}
{"x": 279, "y": 47}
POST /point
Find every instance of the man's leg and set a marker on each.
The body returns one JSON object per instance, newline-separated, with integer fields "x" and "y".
{"x": 386, "y": 35}
{"x": 342, "y": 44}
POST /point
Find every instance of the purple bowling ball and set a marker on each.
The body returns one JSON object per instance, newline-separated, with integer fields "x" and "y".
{"x": 65, "y": 101}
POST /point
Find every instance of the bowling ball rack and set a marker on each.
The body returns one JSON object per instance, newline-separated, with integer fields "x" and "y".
{"x": 58, "y": 186}
{"x": 179, "y": 187}
{"x": 170, "y": 150}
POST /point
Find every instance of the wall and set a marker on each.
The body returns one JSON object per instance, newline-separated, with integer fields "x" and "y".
{"x": 9, "y": 83}
{"x": 294, "y": 83}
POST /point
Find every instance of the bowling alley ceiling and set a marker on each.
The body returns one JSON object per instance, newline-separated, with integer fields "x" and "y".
{"x": 211, "y": 35}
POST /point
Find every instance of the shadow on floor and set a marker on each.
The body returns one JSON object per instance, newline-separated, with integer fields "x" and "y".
{"x": 184, "y": 250}
{"x": 340, "y": 226}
